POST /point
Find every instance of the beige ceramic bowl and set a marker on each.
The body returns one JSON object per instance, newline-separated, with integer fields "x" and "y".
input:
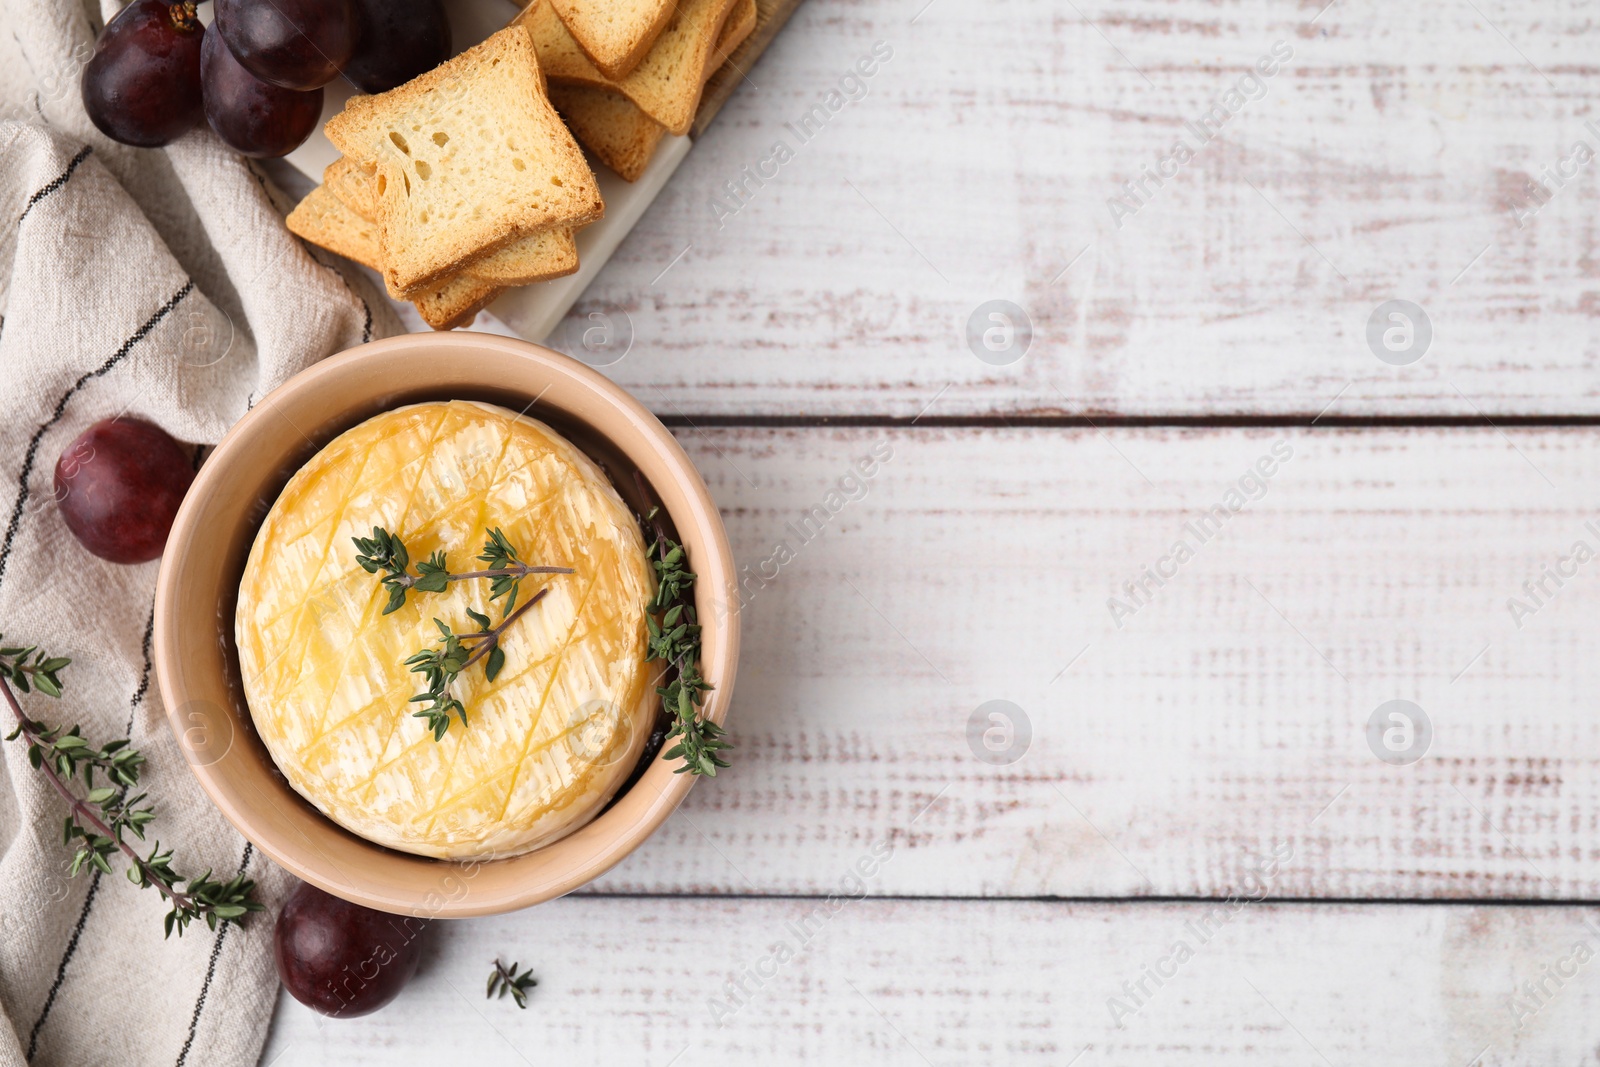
{"x": 198, "y": 669}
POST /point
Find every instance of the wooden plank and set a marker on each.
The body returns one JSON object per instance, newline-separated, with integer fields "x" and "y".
{"x": 917, "y": 983}
{"x": 1386, "y": 160}
{"x": 1226, "y": 715}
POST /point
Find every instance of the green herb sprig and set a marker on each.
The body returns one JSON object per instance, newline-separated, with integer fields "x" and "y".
{"x": 44, "y": 671}
{"x": 383, "y": 551}
{"x": 98, "y": 820}
{"x": 503, "y": 980}
{"x": 675, "y": 640}
{"x": 441, "y": 666}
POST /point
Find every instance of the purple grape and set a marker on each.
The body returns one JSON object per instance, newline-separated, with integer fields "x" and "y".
{"x": 142, "y": 85}
{"x": 249, "y": 115}
{"x": 342, "y": 959}
{"x": 296, "y": 44}
{"x": 119, "y": 486}
{"x": 400, "y": 39}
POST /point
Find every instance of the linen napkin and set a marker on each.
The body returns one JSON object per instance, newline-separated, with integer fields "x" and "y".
{"x": 160, "y": 284}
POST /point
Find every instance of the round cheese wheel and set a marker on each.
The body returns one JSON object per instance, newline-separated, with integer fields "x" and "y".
{"x": 547, "y": 742}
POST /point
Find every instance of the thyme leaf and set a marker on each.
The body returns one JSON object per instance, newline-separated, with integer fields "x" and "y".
{"x": 504, "y": 980}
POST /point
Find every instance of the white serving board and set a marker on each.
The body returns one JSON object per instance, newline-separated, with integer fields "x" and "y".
{"x": 531, "y": 311}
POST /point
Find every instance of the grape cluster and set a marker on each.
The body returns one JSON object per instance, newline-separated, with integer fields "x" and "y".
{"x": 256, "y": 75}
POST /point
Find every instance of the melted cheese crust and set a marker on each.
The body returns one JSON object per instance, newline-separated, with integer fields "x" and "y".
{"x": 552, "y": 738}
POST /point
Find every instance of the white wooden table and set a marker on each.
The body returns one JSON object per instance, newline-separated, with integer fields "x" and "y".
{"x": 1199, "y": 851}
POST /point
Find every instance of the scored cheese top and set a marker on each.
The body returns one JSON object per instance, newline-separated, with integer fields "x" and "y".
{"x": 550, "y": 740}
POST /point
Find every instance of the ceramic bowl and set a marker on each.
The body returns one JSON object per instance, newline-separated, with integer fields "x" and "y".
{"x": 198, "y": 668}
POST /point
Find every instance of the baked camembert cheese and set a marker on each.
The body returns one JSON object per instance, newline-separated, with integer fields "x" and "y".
{"x": 547, "y": 742}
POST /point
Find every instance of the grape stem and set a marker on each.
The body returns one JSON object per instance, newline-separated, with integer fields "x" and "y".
{"x": 183, "y": 15}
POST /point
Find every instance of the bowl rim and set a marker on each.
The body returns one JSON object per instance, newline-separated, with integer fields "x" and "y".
{"x": 663, "y": 788}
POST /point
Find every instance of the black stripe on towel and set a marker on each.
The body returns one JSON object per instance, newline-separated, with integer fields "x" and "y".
{"x": 61, "y": 971}
{"x": 55, "y": 183}
{"x": 144, "y": 675}
{"x": 211, "y": 969}
{"x": 139, "y": 694}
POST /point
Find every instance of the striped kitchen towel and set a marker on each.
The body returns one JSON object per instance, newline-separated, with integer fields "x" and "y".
{"x": 160, "y": 284}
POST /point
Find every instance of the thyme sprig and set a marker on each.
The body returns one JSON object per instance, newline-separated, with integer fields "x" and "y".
{"x": 503, "y": 980}
{"x": 98, "y": 820}
{"x": 441, "y": 666}
{"x": 44, "y": 671}
{"x": 383, "y": 551}
{"x": 675, "y": 640}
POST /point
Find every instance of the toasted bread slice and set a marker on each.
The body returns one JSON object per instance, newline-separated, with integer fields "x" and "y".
{"x": 541, "y": 257}
{"x": 666, "y": 84}
{"x": 323, "y": 219}
{"x": 741, "y": 24}
{"x": 614, "y": 34}
{"x": 609, "y": 125}
{"x": 352, "y": 184}
{"x": 612, "y": 127}
{"x": 455, "y": 301}
{"x": 468, "y": 158}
